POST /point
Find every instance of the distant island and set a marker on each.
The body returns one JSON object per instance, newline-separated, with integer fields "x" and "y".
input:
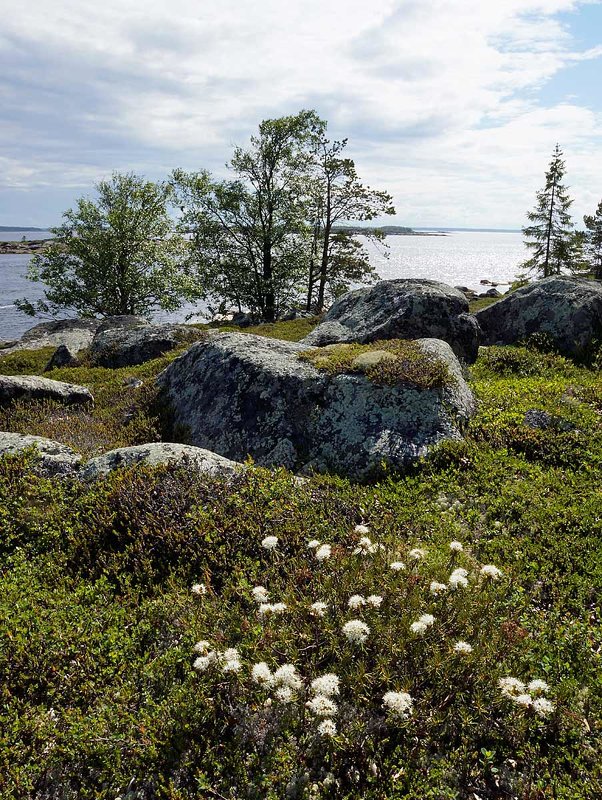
{"x": 388, "y": 230}
{"x": 18, "y": 228}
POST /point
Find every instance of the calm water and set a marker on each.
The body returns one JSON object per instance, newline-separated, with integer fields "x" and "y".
{"x": 460, "y": 259}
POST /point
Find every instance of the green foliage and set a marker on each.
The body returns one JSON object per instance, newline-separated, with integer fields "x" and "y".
{"x": 593, "y": 241}
{"x": 98, "y": 694}
{"x": 408, "y": 363}
{"x": 116, "y": 255}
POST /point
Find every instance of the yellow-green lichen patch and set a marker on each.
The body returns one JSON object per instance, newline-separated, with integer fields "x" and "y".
{"x": 391, "y": 362}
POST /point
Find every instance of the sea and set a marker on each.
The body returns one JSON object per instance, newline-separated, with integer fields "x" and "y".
{"x": 459, "y": 258}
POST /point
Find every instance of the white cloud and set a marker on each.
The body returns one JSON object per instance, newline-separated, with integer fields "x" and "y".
{"x": 438, "y": 97}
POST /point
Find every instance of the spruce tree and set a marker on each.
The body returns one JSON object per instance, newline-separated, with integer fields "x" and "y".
{"x": 593, "y": 241}
{"x": 550, "y": 234}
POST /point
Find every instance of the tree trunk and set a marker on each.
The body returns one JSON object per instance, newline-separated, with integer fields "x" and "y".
{"x": 546, "y": 265}
{"x": 323, "y": 269}
{"x": 269, "y": 301}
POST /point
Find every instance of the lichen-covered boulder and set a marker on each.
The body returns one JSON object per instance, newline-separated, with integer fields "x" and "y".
{"x": 154, "y": 454}
{"x": 129, "y": 346}
{"x": 567, "y": 310}
{"x": 32, "y": 387}
{"x": 76, "y": 334}
{"x": 240, "y": 395}
{"x": 52, "y": 458}
{"x": 401, "y": 309}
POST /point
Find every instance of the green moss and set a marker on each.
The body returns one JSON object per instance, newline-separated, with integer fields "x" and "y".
{"x": 409, "y": 364}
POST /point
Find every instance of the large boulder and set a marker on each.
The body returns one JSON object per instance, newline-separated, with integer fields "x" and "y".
{"x": 240, "y": 395}
{"x": 406, "y": 308}
{"x": 62, "y": 357}
{"x": 76, "y": 334}
{"x": 129, "y": 346}
{"x": 32, "y": 387}
{"x": 52, "y": 458}
{"x": 567, "y": 310}
{"x": 153, "y": 454}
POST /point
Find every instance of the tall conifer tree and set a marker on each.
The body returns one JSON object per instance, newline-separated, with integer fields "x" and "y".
{"x": 549, "y": 234}
{"x": 593, "y": 241}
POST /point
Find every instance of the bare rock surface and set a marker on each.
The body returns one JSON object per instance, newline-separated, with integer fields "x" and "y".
{"x": 15, "y": 387}
{"x": 240, "y": 395}
{"x": 76, "y": 334}
{"x": 154, "y": 454}
{"x": 129, "y": 346}
{"x": 53, "y": 458}
{"x": 401, "y": 309}
{"x": 62, "y": 357}
{"x": 567, "y": 310}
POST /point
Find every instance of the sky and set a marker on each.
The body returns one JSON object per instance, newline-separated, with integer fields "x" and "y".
{"x": 453, "y": 106}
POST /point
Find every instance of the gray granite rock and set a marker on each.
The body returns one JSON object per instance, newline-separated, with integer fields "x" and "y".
{"x": 76, "y": 334}
{"x": 401, "y": 309}
{"x": 240, "y": 395}
{"x": 568, "y": 310}
{"x": 127, "y": 347}
{"x": 62, "y": 357}
{"x": 16, "y": 387}
{"x": 153, "y": 454}
{"x": 52, "y": 458}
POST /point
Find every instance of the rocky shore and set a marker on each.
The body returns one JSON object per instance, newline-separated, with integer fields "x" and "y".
{"x": 24, "y": 248}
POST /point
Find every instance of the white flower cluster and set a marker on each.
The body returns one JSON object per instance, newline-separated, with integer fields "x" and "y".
{"x": 322, "y": 705}
{"x": 459, "y": 578}
{"x": 199, "y": 589}
{"x": 271, "y": 608}
{"x": 321, "y": 551}
{"x": 270, "y": 542}
{"x": 356, "y": 601}
{"x": 417, "y": 554}
{"x": 456, "y": 547}
{"x": 228, "y": 661}
{"x": 365, "y": 547}
{"x": 527, "y": 696}
{"x": 318, "y": 609}
{"x": 489, "y": 571}
{"x": 356, "y": 631}
{"x": 260, "y": 594}
{"x": 397, "y": 566}
{"x": 437, "y": 588}
{"x": 422, "y": 624}
{"x": 398, "y": 704}
{"x": 463, "y": 648}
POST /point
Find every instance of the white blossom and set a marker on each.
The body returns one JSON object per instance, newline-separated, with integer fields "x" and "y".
{"x": 287, "y": 675}
{"x": 417, "y": 553}
{"x": 270, "y": 542}
{"x": 261, "y": 673}
{"x": 323, "y": 552}
{"x": 420, "y": 626}
{"x": 399, "y": 704}
{"x": 271, "y": 608}
{"x": 356, "y": 631}
{"x": 284, "y": 694}
{"x": 204, "y": 662}
{"x": 511, "y": 687}
{"x": 260, "y": 594}
{"x": 365, "y": 547}
{"x": 322, "y": 706}
{"x": 542, "y": 706}
{"x": 523, "y": 700}
{"x": 198, "y": 589}
{"x": 459, "y": 577}
{"x": 327, "y": 728}
{"x": 363, "y": 530}
{"x": 456, "y": 547}
{"x": 537, "y": 685}
{"x": 397, "y": 566}
{"x": 489, "y": 571}
{"x": 356, "y": 601}
{"x": 202, "y": 647}
{"x": 326, "y": 685}
{"x": 437, "y": 588}
{"x": 313, "y": 544}
{"x": 231, "y": 665}
{"x": 463, "y": 647}
{"x": 318, "y": 609}
{"x": 374, "y": 600}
